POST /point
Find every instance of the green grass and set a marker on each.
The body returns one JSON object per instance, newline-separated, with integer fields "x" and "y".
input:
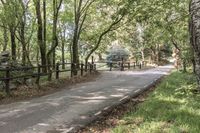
{"x": 171, "y": 108}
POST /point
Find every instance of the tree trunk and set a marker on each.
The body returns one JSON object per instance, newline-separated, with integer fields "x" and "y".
{"x": 21, "y": 32}
{"x": 37, "y": 55}
{"x": 54, "y": 59}
{"x": 184, "y": 66}
{"x": 153, "y": 55}
{"x": 23, "y": 48}
{"x": 157, "y": 54}
{"x": 142, "y": 53}
{"x": 44, "y": 32}
{"x": 40, "y": 34}
{"x": 13, "y": 43}
{"x": 118, "y": 20}
{"x": 63, "y": 41}
{"x": 63, "y": 54}
{"x": 19, "y": 53}
{"x": 5, "y": 35}
{"x": 75, "y": 57}
{"x": 100, "y": 56}
{"x": 44, "y": 24}
{"x": 193, "y": 65}
{"x": 195, "y": 35}
{"x": 51, "y": 55}
{"x": 23, "y": 42}
{"x": 75, "y": 52}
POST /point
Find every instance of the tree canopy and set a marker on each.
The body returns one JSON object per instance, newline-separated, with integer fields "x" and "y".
{"x": 47, "y": 31}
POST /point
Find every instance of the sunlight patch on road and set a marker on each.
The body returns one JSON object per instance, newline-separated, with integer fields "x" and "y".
{"x": 91, "y": 101}
{"x": 43, "y": 124}
{"x": 123, "y": 98}
{"x": 119, "y": 95}
{"x": 53, "y": 104}
{"x": 90, "y": 98}
{"x": 137, "y": 90}
{"x": 98, "y": 113}
{"x": 2, "y": 123}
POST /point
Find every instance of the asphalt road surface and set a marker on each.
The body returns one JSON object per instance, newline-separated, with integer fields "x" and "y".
{"x": 63, "y": 111}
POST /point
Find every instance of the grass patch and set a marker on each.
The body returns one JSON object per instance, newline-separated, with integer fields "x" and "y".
{"x": 171, "y": 108}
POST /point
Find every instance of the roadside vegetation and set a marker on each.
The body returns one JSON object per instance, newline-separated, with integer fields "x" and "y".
{"x": 173, "y": 107}
{"x": 26, "y": 92}
{"x": 50, "y": 32}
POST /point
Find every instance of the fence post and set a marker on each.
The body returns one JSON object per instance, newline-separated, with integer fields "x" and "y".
{"x": 57, "y": 70}
{"x": 122, "y": 65}
{"x": 134, "y": 65}
{"x": 82, "y": 65}
{"x": 86, "y": 66}
{"x": 92, "y": 64}
{"x": 140, "y": 65}
{"x": 72, "y": 65}
{"x": 129, "y": 65}
{"x": 38, "y": 75}
{"x": 95, "y": 67}
{"x": 90, "y": 68}
{"x": 7, "y": 81}
{"x": 63, "y": 65}
{"x": 50, "y": 74}
{"x": 111, "y": 66}
{"x": 92, "y": 59}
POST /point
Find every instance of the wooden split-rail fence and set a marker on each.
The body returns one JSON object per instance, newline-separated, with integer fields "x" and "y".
{"x": 40, "y": 71}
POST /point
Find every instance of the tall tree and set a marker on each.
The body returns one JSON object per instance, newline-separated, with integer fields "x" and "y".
{"x": 9, "y": 8}
{"x": 80, "y": 13}
{"x": 5, "y": 35}
{"x": 51, "y": 53}
{"x": 195, "y": 35}
{"x": 108, "y": 22}
{"x": 40, "y": 38}
{"x": 44, "y": 26}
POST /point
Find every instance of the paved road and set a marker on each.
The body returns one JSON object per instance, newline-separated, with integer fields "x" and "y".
{"x": 64, "y": 110}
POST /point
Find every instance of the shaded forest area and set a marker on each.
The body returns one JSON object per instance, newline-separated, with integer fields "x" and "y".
{"x": 49, "y": 31}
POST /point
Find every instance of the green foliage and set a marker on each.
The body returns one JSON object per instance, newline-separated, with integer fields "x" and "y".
{"x": 172, "y": 107}
{"x": 161, "y": 22}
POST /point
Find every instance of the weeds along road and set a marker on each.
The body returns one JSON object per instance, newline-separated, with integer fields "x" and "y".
{"x": 66, "y": 110}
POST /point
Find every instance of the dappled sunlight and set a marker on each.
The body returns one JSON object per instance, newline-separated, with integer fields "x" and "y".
{"x": 117, "y": 96}
{"x": 171, "y": 99}
{"x": 43, "y": 124}
{"x": 122, "y": 90}
{"x": 154, "y": 126}
{"x": 91, "y": 101}
{"x": 185, "y": 90}
{"x": 82, "y": 102}
{"x": 74, "y": 60}
{"x": 53, "y": 103}
{"x": 89, "y": 97}
{"x": 155, "y": 119}
{"x": 170, "y": 108}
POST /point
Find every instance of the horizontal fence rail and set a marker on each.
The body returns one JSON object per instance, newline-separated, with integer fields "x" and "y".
{"x": 116, "y": 66}
{"x": 10, "y": 74}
